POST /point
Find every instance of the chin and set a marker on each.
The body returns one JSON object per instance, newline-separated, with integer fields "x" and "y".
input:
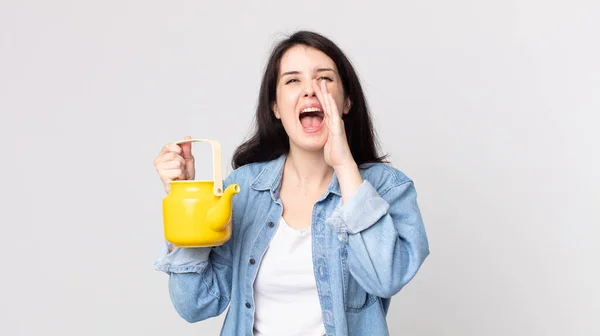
{"x": 310, "y": 144}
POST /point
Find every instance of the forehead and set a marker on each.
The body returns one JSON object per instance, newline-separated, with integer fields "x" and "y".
{"x": 304, "y": 58}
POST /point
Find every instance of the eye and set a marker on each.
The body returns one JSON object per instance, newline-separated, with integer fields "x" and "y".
{"x": 326, "y": 78}
{"x": 293, "y": 80}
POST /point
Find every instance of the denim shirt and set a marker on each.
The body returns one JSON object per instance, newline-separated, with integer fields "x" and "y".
{"x": 364, "y": 251}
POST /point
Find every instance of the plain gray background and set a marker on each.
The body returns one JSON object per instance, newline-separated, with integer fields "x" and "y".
{"x": 490, "y": 106}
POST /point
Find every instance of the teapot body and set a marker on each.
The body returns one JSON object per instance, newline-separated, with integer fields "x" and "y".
{"x": 185, "y": 211}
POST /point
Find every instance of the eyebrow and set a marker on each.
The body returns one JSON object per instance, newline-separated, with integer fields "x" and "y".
{"x": 298, "y": 72}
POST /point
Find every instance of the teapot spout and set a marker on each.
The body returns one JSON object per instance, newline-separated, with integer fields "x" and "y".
{"x": 219, "y": 215}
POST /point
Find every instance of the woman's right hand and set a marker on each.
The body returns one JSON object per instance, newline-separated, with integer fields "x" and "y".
{"x": 175, "y": 162}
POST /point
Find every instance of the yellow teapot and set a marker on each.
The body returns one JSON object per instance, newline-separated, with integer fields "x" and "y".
{"x": 198, "y": 213}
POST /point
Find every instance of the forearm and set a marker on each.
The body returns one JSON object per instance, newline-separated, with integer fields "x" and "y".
{"x": 199, "y": 281}
{"x": 199, "y": 296}
{"x": 349, "y": 178}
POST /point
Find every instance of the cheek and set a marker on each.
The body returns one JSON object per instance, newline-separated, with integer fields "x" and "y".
{"x": 287, "y": 101}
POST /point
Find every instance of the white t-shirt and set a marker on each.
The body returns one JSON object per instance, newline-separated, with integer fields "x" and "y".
{"x": 285, "y": 291}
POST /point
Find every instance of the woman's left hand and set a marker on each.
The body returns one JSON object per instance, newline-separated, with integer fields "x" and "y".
{"x": 337, "y": 151}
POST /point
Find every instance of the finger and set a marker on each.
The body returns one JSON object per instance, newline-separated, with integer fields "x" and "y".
{"x": 335, "y": 116}
{"x": 186, "y": 148}
{"x": 320, "y": 97}
{"x": 324, "y": 94}
{"x": 169, "y": 156}
{"x": 173, "y": 148}
{"x": 164, "y": 150}
{"x": 168, "y": 153}
{"x": 170, "y": 147}
{"x": 323, "y": 100}
{"x": 173, "y": 174}
{"x": 190, "y": 171}
{"x": 172, "y": 164}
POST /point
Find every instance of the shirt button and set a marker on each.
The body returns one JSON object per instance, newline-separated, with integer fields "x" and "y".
{"x": 252, "y": 261}
{"x": 248, "y": 305}
{"x": 271, "y": 224}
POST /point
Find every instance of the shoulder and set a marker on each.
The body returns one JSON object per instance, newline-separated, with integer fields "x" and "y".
{"x": 383, "y": 176}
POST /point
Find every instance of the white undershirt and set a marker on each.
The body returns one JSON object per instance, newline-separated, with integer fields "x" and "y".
{"x": 285, "y": 291}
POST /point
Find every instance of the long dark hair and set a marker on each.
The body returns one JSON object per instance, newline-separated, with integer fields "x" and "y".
{"x": 270, "y": 140}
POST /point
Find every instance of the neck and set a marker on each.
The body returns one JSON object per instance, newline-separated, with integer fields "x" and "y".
{"x": 307, "y": 170}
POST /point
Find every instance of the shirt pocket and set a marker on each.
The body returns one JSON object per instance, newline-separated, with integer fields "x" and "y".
{"x": 355, "y": 297}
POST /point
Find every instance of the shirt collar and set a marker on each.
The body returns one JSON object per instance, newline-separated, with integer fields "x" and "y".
{"x": 270, "y": 176}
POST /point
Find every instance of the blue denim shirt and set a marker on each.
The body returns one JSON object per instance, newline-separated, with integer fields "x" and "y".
{"x": 364, "y": 251}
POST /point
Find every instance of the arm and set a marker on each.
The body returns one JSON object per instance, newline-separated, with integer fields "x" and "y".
{"x": 199, "y": 278}
{"x": 199, "y": 281}
{"x": 384, "y": 231}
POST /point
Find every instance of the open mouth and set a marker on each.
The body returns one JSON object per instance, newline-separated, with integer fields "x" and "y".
{"x": 311, "y": 119}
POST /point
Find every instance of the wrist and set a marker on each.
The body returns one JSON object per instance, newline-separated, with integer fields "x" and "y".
{"x": 346, "y": 168}
{"x": 349, "y": 179}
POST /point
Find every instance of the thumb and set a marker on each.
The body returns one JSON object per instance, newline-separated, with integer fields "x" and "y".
{"x": 186, "y": 149}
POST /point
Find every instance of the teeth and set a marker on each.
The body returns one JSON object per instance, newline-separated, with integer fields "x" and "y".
{"x": 311, "y": 109}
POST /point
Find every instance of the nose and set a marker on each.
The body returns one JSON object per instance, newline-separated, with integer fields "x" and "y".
{"x": 308, "y": 89}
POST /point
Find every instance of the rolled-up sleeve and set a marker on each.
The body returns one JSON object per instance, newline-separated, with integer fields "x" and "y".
{"x": 361, "y": 211}
{"x": 182, "y": 260}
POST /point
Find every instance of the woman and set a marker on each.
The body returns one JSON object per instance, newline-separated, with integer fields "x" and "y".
{"x": 324, "y": 231}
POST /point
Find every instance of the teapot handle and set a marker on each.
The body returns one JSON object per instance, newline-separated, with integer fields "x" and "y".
{"x": 216, "y": 151}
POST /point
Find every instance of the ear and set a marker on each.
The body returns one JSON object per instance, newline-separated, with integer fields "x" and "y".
{"x": 347, "y": 105}
{"x": 276, "y": 111}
